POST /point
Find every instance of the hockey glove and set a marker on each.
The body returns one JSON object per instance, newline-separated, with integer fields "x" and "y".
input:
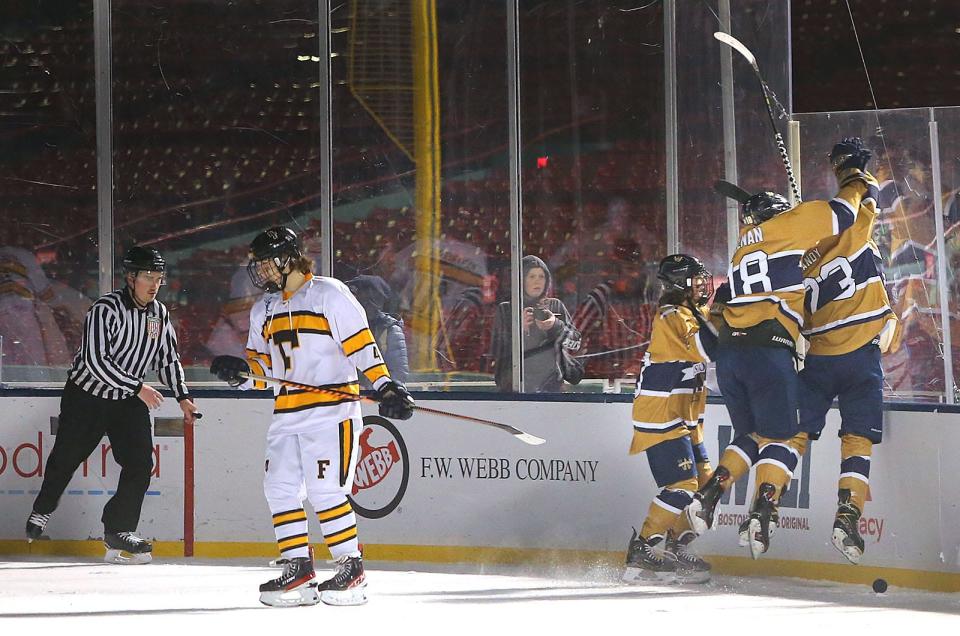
{"x": 229, "y": 368}
{"x": 722, "y": 295}
{"x": 395, "y": 401}
{"x": 849, "y": 153}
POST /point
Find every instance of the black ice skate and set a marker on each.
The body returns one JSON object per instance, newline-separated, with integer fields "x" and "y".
{"x": 846, "y": 534}
{"x": 690, "y": 567}
{"x": 702, "y": 510}
{"x": 644, "y": 565}
{"x": 35, "y": 525}
{"x": 347, "y": 586}
{"x": 762, "y": 521}
{"x": 126, "y": 548}
{"x": 296, "y": 586}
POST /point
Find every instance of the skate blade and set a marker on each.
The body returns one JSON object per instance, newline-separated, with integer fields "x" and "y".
{"x": 757, "y": 547}
{"x": 850, "y": 552}
{"x": 693, "y": 577}
{"x": 122, "y": 557}
{"x": 305, "y": 595}
{"x": 353, "y": 596}
{"x": 639, "y": 576}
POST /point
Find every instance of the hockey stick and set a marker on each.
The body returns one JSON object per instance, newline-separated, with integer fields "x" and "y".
{"x": 731, "y": 191}
{"x": 768, "y": 99}
{"x": 524, "y": 437}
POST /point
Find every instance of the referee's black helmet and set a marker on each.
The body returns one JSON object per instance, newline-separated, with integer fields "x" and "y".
{"x": 143, "y": 259}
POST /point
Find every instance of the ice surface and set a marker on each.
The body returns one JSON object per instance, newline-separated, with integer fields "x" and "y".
{"x": 83, "y": 596}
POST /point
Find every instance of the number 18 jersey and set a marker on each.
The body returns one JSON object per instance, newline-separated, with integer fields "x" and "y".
{"x": 766, "y": 280}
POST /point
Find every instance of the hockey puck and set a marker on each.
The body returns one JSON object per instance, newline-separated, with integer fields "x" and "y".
{"x": 879, "y": 586}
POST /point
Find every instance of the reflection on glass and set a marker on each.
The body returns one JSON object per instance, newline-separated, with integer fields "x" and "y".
{"x": 419, "y": 175}
{"x": 592, "y": 170}
{"x": 948, "y": 129}
{"x": 48, "y": 251}
{"x": 216, "y": 138}
{"x": 905, "y": 231}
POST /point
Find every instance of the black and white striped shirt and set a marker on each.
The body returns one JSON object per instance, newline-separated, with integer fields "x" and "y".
{"x": 120, "y": 341}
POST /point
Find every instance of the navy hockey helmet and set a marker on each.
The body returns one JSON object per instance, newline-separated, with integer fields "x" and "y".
{"x": 687, "y": 274}
{"x": 763, "y": 207}
{"x": 270, "y": 253}
{"x": 143, "y": 259}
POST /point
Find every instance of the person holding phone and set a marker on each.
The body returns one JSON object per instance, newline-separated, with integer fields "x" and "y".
{"x": 546, "y": 329}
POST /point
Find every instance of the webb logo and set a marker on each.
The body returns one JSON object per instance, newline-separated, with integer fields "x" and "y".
{"x": 383, "y": 469}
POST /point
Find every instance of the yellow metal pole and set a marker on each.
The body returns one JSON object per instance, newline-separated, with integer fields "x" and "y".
{"x": 426, "y": 121}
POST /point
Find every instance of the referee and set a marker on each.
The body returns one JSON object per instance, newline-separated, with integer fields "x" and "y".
{"x": 125, "y": 332}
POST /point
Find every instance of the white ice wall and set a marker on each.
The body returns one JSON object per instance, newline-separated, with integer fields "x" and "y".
{"x": 578, "y": 491}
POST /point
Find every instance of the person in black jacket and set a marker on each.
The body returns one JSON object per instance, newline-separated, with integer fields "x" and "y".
{"x": 547, "y": 330}
{"x": 373, "y": 292}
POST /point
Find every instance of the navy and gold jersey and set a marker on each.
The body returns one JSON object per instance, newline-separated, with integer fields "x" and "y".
{"x": 766, "y": 281}
{"x": 846, "y": 304}
{"x": 670, "y": 396}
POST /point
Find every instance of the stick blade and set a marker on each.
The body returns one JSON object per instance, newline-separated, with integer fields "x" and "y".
{"x": 527, "y": 438}
{"x": 736, "y": 45}
{"x": 731, "y": 191}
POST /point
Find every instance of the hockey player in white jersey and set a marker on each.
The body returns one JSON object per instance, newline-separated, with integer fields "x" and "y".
{"x": 310, "y": 329}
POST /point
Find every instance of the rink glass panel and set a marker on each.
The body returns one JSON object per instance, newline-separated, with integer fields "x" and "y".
{"x": 948, "y": 129}
{"x": 48, "y": 237}
{"x": 905, "y": 230}
{"x": 215, "y": 133}
{"x": 379, "y": 174}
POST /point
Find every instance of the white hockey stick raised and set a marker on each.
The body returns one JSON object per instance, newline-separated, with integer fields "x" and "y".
{"x": 768, "y": 98}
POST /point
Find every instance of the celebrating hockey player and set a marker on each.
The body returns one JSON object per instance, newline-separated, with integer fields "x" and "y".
{"x": 756, "y": 355}
{"x": 310, "y": 329}
{"x": 849, "y": 324}
{"x": 668, "y": 425}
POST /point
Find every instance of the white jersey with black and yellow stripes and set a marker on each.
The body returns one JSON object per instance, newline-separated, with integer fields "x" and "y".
{"x": 319, "y": 336}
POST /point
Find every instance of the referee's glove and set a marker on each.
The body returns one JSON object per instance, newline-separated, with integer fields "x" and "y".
{"x": 395, "y": 401}
{"x": 229, "y": 368}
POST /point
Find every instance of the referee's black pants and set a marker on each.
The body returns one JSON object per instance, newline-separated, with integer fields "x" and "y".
{"x": 84, "y": 419}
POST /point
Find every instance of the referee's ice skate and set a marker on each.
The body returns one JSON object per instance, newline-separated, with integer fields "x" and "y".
{"x": 126, "y": 548}
{"x": 35, "y": 525}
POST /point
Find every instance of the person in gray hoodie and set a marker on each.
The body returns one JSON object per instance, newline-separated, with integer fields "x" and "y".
{"x": 547, "y": 330}
{"x": 372, "y": 292}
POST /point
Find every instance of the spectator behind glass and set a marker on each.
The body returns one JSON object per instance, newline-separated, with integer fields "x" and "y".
{"x": 373, "y": 292}
{"x": 31, "y": 335}
{"x": 546, "y": 326}
{"x": 229, "y": 334}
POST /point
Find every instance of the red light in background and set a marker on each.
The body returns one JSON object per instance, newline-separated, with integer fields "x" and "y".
{"x": 542, "y": 162}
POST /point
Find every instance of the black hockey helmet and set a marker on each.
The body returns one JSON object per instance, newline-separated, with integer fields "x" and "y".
{"x": 274, "y": 248}
{"x": 143, "y": 259}
{"x": 687, "y": 274}
{"x": 762, "y": 207}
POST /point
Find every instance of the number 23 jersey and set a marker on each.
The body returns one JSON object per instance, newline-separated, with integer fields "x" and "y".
{"x": 846, "y": 303}
{"x": 318, "y": 336}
